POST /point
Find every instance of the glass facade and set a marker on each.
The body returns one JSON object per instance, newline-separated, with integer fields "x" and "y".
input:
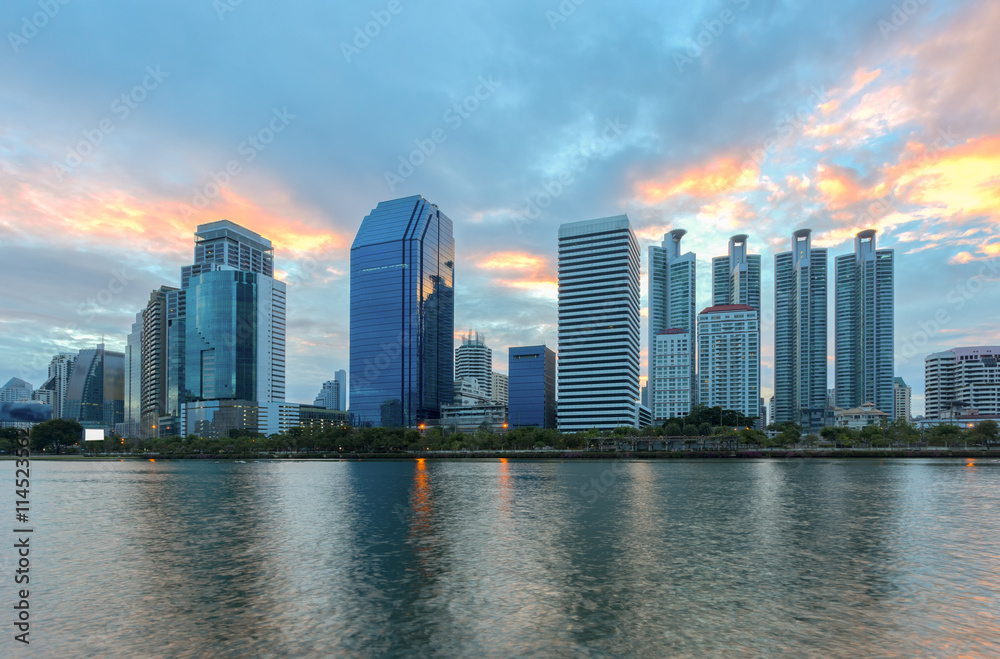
{"x": 531, "y": 398}
{"x": 221, "y": 336}
{"x": 402, "y": 314}
{"x": 96, "y": 392}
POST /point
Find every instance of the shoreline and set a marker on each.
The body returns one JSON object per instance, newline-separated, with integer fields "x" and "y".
{"x": 548, "y": 456}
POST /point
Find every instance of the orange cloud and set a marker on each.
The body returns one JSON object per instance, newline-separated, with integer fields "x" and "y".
{"x": 961, "y": 182}
{"x": 533, "y": 272}
{"x": 723, "y": 176}
{"x": 160, "y": 225}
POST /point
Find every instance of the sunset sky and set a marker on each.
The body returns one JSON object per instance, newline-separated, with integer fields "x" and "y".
{"x": 118, "y": 123}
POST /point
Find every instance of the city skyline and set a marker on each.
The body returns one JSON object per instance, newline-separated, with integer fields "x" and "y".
{"x": 887, "y": 129}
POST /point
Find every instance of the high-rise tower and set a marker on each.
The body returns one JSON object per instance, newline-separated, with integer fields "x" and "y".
{"x": 864, "y": 328}
{"x": 402, "y": 314}
{"x": 671, "y": 295}
{"x": 800, "y": 334}
{"x": 736, "y": 277}
{"x": 598, "y": 366}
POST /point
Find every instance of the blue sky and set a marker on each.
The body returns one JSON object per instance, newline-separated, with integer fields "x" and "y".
{"x": 124, "y": 125}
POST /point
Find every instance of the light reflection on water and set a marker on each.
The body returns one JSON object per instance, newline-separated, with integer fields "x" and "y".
{"x": 504, "y": 558}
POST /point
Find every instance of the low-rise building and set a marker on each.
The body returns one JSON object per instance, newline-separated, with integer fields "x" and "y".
{"x": 857, "y": 418}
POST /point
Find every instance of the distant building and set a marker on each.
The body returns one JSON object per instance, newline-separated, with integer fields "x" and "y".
{"x": 729, "y": 358}
{"x": 598, "y": 367}
{"x": 154, "y": 353}
{"x": 902, "y": 397}
{"x": 532, "y": 396}
{"x": 469, "y": 418}
{"x": 279, "y": 417}
{"x": 673, "y": 361}
{"x": 329, "y": 395}
{"x": 402, "y": 314}
{"x": 214, "y": 419}
{"x": 961, "y": 380}
{"x": 859, "y": 417}
{"x": 60, "y": 369}
{"x": 16, "y": 390}
{"x": 500, "y": 390}
{"x": 95, "y": 396}
{"x": 800, "y": 334}
{"x": 340, "y": 377}
{"x": 474, "y": 361}
{"x": 863, "y": 359}
{"x": 671, "y": 296}
{"x": 131, "y": 426}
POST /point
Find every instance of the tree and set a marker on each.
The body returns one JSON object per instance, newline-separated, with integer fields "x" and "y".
{"x": 986, "y": 431}
{"x": 945, "y": 435}
{"x": 55, "y": 433}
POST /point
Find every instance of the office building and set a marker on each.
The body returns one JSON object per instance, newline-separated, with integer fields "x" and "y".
{"x": 402, "y": 314}
{"x": 474, "y": 361}
{"x": 736, "y": 276}
{"x": 279, "y": 418}
{"x": 60, "y": 369}
{"x": 532, "y": 392}
{"x": 340, "y": 377}
{"x": 598, "y": 367}
{"x": 15, "y": 391}
{"x": 864, "y": 308}
{"x": 673, "y": 359}
{"x": 498, "y": 390}
{"x": 155, "y": 362}
{"x": 800, "y": 334}
{"x": 130, "y": 427}
{"x": 671, "y": 295}
{"x": 225, "y": 332}
{"x": 729, "y": 358}
{"x": 470, "y": 418}
{"x": 95, "y": 396}
{"x": 962, "y": 381}
{"x": 902, "y": 394}
{"x": 330, "y": 395}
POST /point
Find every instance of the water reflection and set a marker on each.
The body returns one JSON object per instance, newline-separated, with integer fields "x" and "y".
{"x": 509, "y": 558}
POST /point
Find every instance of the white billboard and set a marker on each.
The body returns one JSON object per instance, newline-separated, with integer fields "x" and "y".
{"x": 93, "y": 434}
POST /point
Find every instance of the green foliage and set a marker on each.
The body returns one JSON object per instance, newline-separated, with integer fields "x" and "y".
{"x": 55, "y": 434}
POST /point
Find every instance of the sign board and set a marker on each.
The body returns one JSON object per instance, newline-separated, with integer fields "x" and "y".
{"x": 93, "y": 434}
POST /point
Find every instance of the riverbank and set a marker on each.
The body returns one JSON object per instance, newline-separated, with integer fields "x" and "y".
{"x": 748, "y": 454}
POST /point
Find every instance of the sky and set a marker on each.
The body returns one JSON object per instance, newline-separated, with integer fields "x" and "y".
{"x": 125, "y": 125}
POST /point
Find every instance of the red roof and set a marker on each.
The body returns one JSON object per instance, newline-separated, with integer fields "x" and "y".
{"x": 728, "y": 307}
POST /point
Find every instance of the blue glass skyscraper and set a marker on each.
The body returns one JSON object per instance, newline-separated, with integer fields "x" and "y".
{"x": 531, "y": 397}
{"x": 402, "y": 314}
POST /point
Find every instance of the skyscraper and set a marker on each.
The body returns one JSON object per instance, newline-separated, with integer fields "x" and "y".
{"x": 60, "y": 370}
{"x": 402, "y": 314}
{"x": 672, "y": 280}
{"x": 474, "y": 361}
{"x": 133, "y": 380}
{"x": 15, "y": 391}
{"x": 729, "y": 358}
{"x": 863, "y": 362}
{"x": 532, "y": 387}
{"x": 500, "y": 388}
{"x": 96, "y": 393}
{"x": 673, "y": 354}
{"x": 228, "y": 322}
{"x": 155, "y": 361}
{"x": 800, "y": 334}
{"x": 598, "y": 369}
{"x": 329, "y": 395}
{"x": 736, "y": 277}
